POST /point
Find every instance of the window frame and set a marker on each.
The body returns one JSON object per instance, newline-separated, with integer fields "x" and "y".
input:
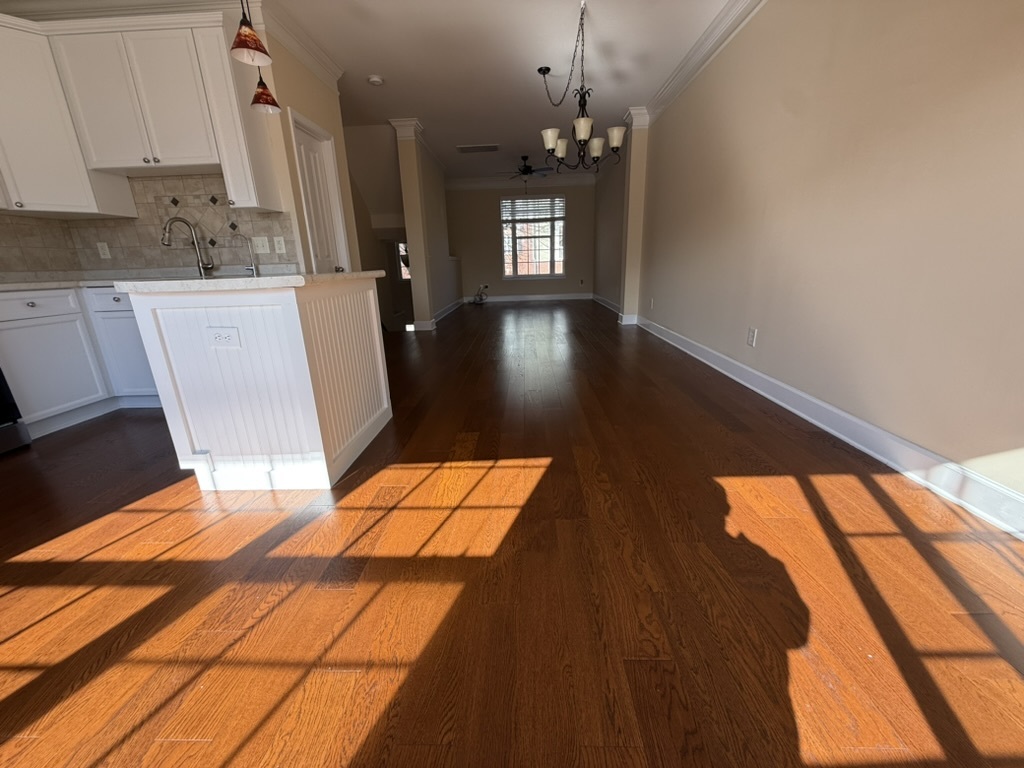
{"x": 555, "y": 221}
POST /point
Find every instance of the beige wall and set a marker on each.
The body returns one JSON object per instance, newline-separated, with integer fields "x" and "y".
{"x": 847, "y": 177}
{"x": 373, "y": 162}
{"x": 609, "y": 210}
{"x": 444, "y": 271}
{"x": 297, "y": 87}
{"x": 474, "y": 227}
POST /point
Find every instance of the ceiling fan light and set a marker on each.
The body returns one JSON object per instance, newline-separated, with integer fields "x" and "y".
{"x": 582, "y": 127}
{"x": 550, "y": 136}
{"x": 247, "y": 46}
{"x": 263, "y": 100}
{"x": 616, "y": 136}
{"x": 561, "y": 148}
{"x": 595, "y": 148}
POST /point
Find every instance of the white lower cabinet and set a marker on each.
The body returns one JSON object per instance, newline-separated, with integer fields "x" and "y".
{"x": 49, "y": 363}
{"x": 123, "y": 353}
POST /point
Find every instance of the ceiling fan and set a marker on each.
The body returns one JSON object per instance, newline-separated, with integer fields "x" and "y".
{"x": 525, "y": 170}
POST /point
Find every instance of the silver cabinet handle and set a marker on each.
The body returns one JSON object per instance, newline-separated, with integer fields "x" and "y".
{"x": 231, "y": 202}
{"x": 30, "y": 304}
{"x": 156, "y": 159}
{"x": 19, "y": 204}
{"x": 145, "y": 159}
{"x": 117, "y": 298}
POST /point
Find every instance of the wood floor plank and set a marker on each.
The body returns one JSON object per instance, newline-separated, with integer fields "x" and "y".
{"x": 572, "y": 546}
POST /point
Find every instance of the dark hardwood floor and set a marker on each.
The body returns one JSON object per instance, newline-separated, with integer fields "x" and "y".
{"x": 573, "y": 546}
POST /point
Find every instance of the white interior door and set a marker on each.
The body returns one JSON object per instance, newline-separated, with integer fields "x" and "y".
{"x": 321, "y": 195}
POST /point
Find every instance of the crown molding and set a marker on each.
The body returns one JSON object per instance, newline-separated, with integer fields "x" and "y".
{"x": 561, "y": 181}
{"x": 638, "y": 117}
{"x": 54, "y": 10}
{"x": 289, "y": 33}
{"x": 132, "y": 23}
{"x": 726, "y": 24}
{"x": 407, "y": 128}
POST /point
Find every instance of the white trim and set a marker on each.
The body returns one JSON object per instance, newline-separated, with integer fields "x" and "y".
{"x": 67, "y": 419}
{"x": 152, "y": 21}
{"x": 606, "y": 303}
{"x": 448, "y": 310}
{"x": 638, "y": 117}
{"x": 300, "y": 122}
{"x": 555, "y": 180}
{"x": 533, "y": 297}
{"x": 406, "y": 128}
{"x": 726, "y": 24}
{"x": 286, "y": 31}
{"x": 989, "y": 500}
{"x": 56, "y": 11}
{"x": 627, "y": 319}
{"x": 424, "y": 325}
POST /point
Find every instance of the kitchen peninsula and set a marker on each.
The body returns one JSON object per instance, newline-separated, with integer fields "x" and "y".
{"x": 266, "y": 382}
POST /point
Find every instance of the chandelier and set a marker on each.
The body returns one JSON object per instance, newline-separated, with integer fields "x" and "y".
{"x": 587, "y": 149}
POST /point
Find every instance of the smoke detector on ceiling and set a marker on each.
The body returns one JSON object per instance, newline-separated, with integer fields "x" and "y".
{"x": 375, "y": 80}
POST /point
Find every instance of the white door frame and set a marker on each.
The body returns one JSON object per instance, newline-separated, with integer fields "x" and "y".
{"x": 298, "y": 122}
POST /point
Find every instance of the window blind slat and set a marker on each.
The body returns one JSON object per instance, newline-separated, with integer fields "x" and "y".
{"x": 532, "y": 208}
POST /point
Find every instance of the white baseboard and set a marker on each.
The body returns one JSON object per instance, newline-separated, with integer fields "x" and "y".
{"x": 449, "y": 309}
{"x": 67, "y": 419}
{"x": 424, "y": 325}
{"x": 606, "y": 303}
{"x": 534, "y": 297}
{"x": 984, "y": 497}
{"x": 627, "y": 319}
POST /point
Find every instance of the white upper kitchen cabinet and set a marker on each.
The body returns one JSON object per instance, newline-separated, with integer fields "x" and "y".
{"x": 41, "y": 164}
{"x": 138, "y": 100}
{"x": 243, "y": 134}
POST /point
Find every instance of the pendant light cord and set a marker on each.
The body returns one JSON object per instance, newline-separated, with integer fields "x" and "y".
{"x": 580, "y": 48}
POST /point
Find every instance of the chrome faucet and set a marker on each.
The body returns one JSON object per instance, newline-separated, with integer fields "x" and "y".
{"x": 166, "y": 240}
{"x": 251, "y": 269}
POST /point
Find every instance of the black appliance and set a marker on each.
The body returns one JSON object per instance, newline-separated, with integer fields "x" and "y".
{"x": 13, "y": 434}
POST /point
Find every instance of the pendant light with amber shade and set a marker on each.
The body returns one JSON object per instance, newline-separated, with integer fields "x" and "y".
{"x": 249, "y": 49}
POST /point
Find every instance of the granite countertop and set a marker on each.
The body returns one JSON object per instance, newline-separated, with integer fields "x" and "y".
{"x": 151, "y": 283}
{"x": 246, "y": 283}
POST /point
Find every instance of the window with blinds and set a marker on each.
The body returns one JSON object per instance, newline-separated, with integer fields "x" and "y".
{"x": 533, "y": 235}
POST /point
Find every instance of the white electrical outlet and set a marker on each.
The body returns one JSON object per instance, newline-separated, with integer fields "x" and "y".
{"x": 104, "y": 250}
{"x": 223, "y": 337}
{"x": 278, "y": 245}
{"x": 261, "y": 245}
{"x": 751, "y": 337}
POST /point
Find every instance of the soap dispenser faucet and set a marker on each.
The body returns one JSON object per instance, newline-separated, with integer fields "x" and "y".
{"x": 166, "y": 240}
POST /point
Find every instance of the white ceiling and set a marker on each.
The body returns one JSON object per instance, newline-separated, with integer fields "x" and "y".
{"x": 467, "y": 69}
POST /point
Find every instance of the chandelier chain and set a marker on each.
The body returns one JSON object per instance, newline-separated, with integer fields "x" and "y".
{"x": 578, "y": 49}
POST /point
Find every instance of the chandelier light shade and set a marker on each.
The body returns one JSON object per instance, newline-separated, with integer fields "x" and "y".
{"x": 263, "y": 100}
{"x": 587, "y": 148}
{"x": 247, "y": 46}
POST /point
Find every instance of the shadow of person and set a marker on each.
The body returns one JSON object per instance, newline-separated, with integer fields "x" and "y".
{"x": 730, "y": 623}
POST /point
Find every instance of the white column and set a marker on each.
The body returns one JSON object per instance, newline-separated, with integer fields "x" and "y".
{"x": 408, "y": 132}
{"x": 633, "y": 227}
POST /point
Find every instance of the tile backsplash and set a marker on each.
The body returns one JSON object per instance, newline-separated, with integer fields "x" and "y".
{"x": 29, "y": 246}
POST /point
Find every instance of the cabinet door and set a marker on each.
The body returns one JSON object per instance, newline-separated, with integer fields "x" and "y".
{"x": 242, "y": 134}
{"x": 50, "y": 365}
{"x": 41, "y": 163}
{"x": 170, "y": 88}
{"x": 123, "y": 353}
{"x": 98, "y": 81}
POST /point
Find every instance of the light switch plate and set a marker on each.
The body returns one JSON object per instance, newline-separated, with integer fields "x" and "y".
{"x": 104, "y": 250}
{"x": 261, "y": 245}
{"x": 278, "y": 245}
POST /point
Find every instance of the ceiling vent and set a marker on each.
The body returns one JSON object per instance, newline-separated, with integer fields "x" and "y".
{"x": 469, "y": 149}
